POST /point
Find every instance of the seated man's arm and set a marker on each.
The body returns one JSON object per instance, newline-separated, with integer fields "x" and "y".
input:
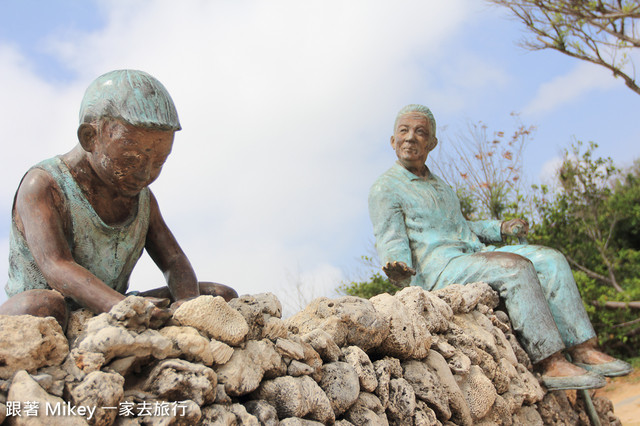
{"x": 487, "y": 230}
{"x": 492, "y": 231}
{"x": 39, "y": 218}
{"x": 392, "y": 241}
{"x": 167, "y": 254}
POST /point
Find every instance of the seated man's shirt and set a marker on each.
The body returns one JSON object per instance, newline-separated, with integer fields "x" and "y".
{"x": 418, "y": 221}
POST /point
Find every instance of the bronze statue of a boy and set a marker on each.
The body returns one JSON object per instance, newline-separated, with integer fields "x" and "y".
{"x": 81, "y": 220}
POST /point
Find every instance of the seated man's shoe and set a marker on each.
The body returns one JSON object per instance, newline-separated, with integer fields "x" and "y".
{"x": 589, "y": 380}
{"x": 613, "y": 368}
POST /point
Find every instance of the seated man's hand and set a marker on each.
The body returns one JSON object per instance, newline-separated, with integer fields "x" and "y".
{"x": 399, "y": 273}
{"x": 514, "y": 228}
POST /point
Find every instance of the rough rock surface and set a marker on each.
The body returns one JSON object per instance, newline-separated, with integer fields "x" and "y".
{"x": 416, "y": 358}
{"x": 214, "y": 317}
{"x": 29, "y": 343}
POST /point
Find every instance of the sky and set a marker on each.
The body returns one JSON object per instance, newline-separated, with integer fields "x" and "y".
{"x": 287, "y": 107}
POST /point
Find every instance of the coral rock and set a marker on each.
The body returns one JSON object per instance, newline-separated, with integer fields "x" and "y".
{"x": 297, "y": 397}
{"x": 360, "y": 361}
{"x": 99, "y": 389}
{"x": 41, "y": 344}
{"x": 341, "y": 384}
{"x": 408, "y": 336}
{"x": 246, "y": 368}
{"x": 348, "y": 320}
{"x": 178, "y": 380}
{"x": 214, "y": 317}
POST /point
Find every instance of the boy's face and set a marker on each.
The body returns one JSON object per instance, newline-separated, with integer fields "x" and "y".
{"x": 129, "y": 158}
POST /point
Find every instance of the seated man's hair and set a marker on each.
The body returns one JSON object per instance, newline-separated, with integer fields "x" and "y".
{"x": 132, "y": 96}
{"x": 420, "y": 109}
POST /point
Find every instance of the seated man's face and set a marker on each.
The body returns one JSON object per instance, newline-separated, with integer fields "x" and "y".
{"x": 413, "y": 139}
{"x": 129, "y": 158}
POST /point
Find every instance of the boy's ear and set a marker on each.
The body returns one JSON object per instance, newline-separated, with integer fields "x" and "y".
{"x": 87, "y": 136}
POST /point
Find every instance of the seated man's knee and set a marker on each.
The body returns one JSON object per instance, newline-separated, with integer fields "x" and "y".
{"x": 508, "y": 261}
{"x": 39, "y": 303}
{"x": 216, "y": 289}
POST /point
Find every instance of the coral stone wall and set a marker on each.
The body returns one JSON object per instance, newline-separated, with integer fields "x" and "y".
{"x": 415, "y": 358}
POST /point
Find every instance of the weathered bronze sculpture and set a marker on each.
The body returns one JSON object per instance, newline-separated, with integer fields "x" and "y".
{"x": 423, "y": 239}
{"x": 81, "y": 220}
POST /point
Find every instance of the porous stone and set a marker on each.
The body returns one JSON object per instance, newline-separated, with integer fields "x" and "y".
{"x": 184, "y": 413}
{"x": 527, "y": 415}
{"x": 178, "y": 380}
{"x": 289, "y": 349}
{"x": 214, "y": 317}
{"x": 231, "y": 414}
{"x": 297, "y": 421}
{"x": 77, "y": 323}
{"x": 258, "y": 310}
{"x": 134, "y": 313}
{"x": 189, "y": 343}
{"x": 263, "y": 411}
{"x": 217, "y": 414}
{"x": 296, "y": 397}
{"x": 124, "y": 366}
{"x": 41, "y": 343}
{"x": 435, "y": 311}
{"x": 87, "y": 361}
{"x": 361, "y": 362}
{"x": 46, "y": 382}
{"x": 408, "y": 336}
{"x": 99, "y": 390}
{"x": 460, "y": 413}
{"x": 385, "y": 369}
{"x": 424, "y": 415}
{"x": 220, "y": 352}
{"x": 367, "y": 410}
{"x": 341, "y": 385}
{"x": 464, "y": 298}
{"x": 402, "y": 402}
{"x": 478, "y": 391}
{"x": 323, "y": 344}
{"x": 105, "y": 335}
{"x": 526, "y": 385}
{"x": 348, "y": 320}
{"x": 297, "y": 368}
{"x": 24, "y": 389}
{"x": 427, "y": 387}
{"x": 245, "y": 370}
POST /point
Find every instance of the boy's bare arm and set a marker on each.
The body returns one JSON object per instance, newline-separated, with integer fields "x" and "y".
{"x": 167, "y": 254}
{"x": 39, "y": 218}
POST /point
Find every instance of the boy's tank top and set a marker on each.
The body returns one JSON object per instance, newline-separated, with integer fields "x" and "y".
{"x": 108, "y": 252}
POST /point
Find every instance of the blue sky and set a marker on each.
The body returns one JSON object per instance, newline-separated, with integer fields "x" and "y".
{"x": 287, "y": 109}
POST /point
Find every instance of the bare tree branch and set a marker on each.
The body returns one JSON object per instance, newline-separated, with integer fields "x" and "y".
{"x": 602, "y": 33}
{"x": 617, "y": 305}
{"x": 595, "y": 275}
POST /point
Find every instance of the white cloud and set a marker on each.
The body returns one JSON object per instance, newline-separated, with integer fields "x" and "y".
{"x": 549, "y": 171}
{"x": 563, "y": 90}
{"x": 281, "y": 105}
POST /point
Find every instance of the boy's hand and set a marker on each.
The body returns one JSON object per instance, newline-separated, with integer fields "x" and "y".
{"x": 175, "y": 305}
{"x": 159, "y": 316}
{"x": 160, "y": 302}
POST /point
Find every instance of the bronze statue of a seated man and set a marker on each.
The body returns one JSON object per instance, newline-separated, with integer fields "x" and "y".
{"x": 81, "y": 220}
{"x": 423, "y": 239}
